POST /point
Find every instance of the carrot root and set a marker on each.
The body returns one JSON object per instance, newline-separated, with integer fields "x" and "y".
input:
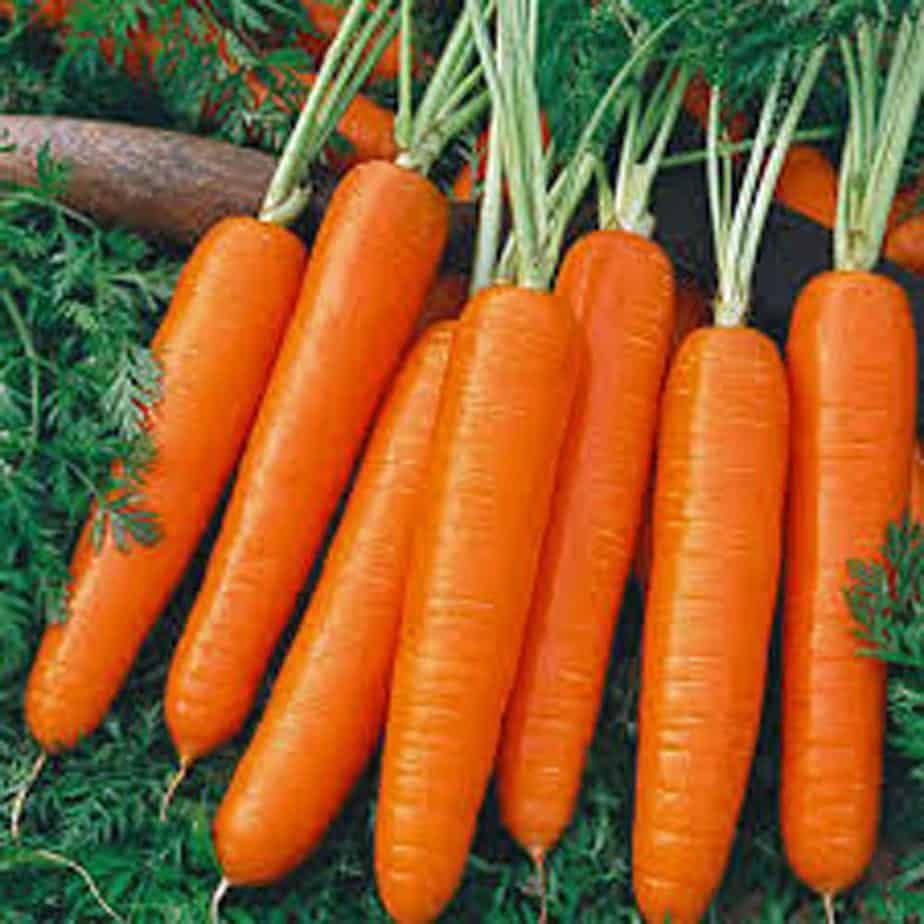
{"x": 538, "y": 857}
{"x": 172, "y": 787}
{"x": 58, "y": 860}
{"x": 830, "y": 916}
{"x": 19, "y": 802}
{"x": 220, "y": 892}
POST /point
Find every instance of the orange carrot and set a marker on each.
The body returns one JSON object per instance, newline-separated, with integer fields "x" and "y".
{"x": 503, "y": 417}
{"x": 851, "y": 362}
{"x": 373, "y": 260}
{"x": 808, "y": 184}
{"x": 691, "y": 310}
{"x": 216, "y": 345}
{"x": 621, "y": 288}
{"x": 327, "y": 708}
{"x": 904, "y": 244}
{"x": 722, "y": 436}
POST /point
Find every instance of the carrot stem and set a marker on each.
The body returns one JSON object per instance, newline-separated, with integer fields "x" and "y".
{"x": 404, "y": 123}
{"x": 220, "y": 891}
{"x": 688, "y": 158}
{"x": 20, "y": 801}
{"x": 174, "y": 784}
{"x": 492, "y": 207}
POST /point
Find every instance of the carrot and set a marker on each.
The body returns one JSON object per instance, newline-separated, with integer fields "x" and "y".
{"x": 691, "y": 310}
{"x": 373, "y": 261}
{"x": 723, "y": 434}
{"x": 216, "y": 345}
{"x": 621, "y": 288}
{"x": 851, "y": 363}
{"x": 808, "y": 184}
{"x": 904, "y": 244}
{"x": 476, "y": 549}
{"x": 718, "y": 509}
{"x": 371, "y": 265}
{"x": 506, "y": 402}
{"x": 327, "y": 708}
{"x": 851, "y": 359}
{"x": 326, "y": 19}
{"x": 917, "y": 482}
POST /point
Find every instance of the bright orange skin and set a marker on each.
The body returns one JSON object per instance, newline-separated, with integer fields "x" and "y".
{"x": 621, "y": 288}
{"x": 851, "y": 357}
{"x": 808, "y": 184}
{"x": 904, "y": 244}
{"x": 503, "y": 417}
{"x": 327, "y": 708}
{"x": 216, "y": 345}
{"x": 691, "y": 310}
{"x": 373, "y": 261}
{"x": 719, "y": 497}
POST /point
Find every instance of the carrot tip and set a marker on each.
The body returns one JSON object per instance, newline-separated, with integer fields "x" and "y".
{"x": 174, "y": 784}
{"x": 219, "y": 894}
{"x": 59, "y": 860}
{"x": 828, "y": 900}
{"x": 19, "y": 802}
{"x": 537, "y": 854}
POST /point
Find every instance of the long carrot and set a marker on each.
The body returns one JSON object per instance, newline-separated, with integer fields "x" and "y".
{"x": 691, "y": 310}
{"x": 328, "y": 705}
{"x": 718, "y": 509}
{"x": 808, "y": 184}
{"x": 851, "y": 362}
{"x": 476, "y": 550}
{"x": 371, "y": 265}
{"x": 373, "y": 261}
{"x": 620, "y": 286}
{"x": 216, "y": 345}
{"x": 505, "y": 407}
{"x": 851, "y": 359}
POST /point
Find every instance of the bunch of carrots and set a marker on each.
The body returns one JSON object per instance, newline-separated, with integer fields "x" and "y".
{"x": 584, "y": 412}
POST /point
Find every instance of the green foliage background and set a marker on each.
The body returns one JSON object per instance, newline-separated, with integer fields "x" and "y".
{"x": 77, "y": 305}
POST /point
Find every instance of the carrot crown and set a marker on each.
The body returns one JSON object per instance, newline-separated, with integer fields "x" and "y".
{"x": 883, "y": 108}
{"x": 455, "y": 95}
{"x": 362, "y": 38}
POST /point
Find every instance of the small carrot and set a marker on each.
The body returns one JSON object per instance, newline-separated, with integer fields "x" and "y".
{"x": 327, "y": 708}
{"x": 808, "y": 184}
{"x": 373, "y": 260}
{"x": 851, "y": 359}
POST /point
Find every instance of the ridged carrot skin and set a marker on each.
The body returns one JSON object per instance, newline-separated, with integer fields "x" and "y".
{"x": 621, "y": 288}
{"x": 691, "y": 310}
{"x": 808, "y": 184}
{"x": 505, "y": 408}
{"x": 851, "y": 358}
{"x": 327, "y": 708}
{"x": 216, "y": 346}
{"x": 373, "y": 261}
{"x": 719, "y": 497}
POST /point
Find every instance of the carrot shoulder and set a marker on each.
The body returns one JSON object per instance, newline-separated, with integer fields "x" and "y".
{"x": 327, "y": 708}
{"x": 374, "y": 258}
{"x": 216, "y": 346}
{"x": 504, "y": 412}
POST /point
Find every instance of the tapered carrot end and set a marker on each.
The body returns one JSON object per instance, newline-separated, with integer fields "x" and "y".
{"x": 828, "y": 900}
{"x": 175, "y": 782}
{"x": 537, "y": 854}
{"x": 19, "y": 803}
{"x": 219, "y": 893}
